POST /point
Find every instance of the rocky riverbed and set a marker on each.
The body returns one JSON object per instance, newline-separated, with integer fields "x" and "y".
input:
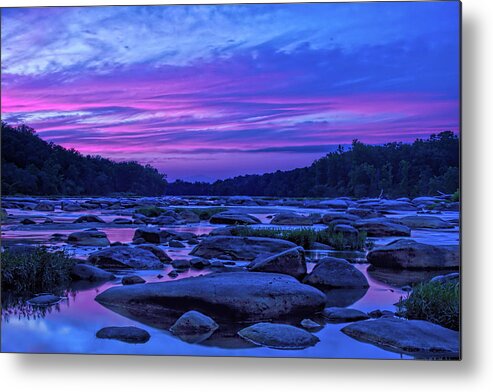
{"x": 175, "y": 276}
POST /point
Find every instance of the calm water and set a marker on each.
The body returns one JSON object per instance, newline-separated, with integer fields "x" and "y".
{"x": 70, "y": 326}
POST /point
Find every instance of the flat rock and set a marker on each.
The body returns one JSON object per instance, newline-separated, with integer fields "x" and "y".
{"x": 237, "y": 296}
{"x": 382, "y": 227}
{"x": 409, "y": 254}
{"x": 125, "y": 334}
{"x": 342, "y": 315}
{"x": 290, "y": 262}
{"x": 292, "y": 219}
{"x": 233, "y": 218}
{"x": 44, "y": 300}
{"x": 280, "y": 336}
{"x": 425, "y": 222}
{"x": 240, "y": 248}
{"x": 90, "y": 273}
{"x": 415, "y": 337}
{"x": 124, "y": 257}
{"x": 132, "y": 279}
{"x": 332, "y": 272}
{"x": 122, "y": 221}
{"x": 89, "y": 238}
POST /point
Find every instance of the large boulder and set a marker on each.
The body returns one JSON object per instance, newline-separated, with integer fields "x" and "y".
{"x": 125, "y": 257}
{"x": 280, "y": 336}
{"x": 425, "y": 222}
{"x": 124, "y": 334}
{"x": 415, "y": 337}
{"x": 234, "y": 218}
{"x": 288, "y": 218}
{"x": 89, "y": 219}
{"x": 89, "y": 238}
{"x": 290, "y": 262}
{"x": 240, "y": 248}
{"x": 409, "y": 254}
{"x": 90, "y": 273}
{"x": 381, "y": 227}
{"x": 234, "y": 296}
{"x": 332, "y": 272}
{"x": 148, "y": 234}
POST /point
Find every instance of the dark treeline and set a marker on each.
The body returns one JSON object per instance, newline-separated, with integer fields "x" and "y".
{"x": 424, "y": 167}
{"x": 32, "y": 166}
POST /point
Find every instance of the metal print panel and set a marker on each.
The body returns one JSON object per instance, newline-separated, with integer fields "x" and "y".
{"x": 269, "y": 180}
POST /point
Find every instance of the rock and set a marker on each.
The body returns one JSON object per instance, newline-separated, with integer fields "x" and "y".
{"x": 44, "y": 206}
{"x": 44, "y": 300}
{"x": 292, "y": 219}
{"x": 366, "y": 213}
{"x": 90, "y": 273}
{"x": 176, "y": 244}
{"x": 240, "y": 248}
{"x": 409, "y": 254}
{"x": 426, "y": 200}
{"x": 336, "y": 204}
{"x": 320, "y": 246}
{"x": 89, "y": 219}
{"x": 194, "y": 327}
{"x": 280, "y": 336}
{"x": 189, "y": 216}
{"x": 310, "y": 325}
{"x": 199, "y": 263}
{"x": 148, "y": 234}
{"x": 223, "y": 231}
{"x": 181, "y": 264}
{"x": 425, "y": 222}
{"x": 332, "y": 272}
{"x": 48, "y": 221}
{"x": 290, "y": 262}
{"x": 132, "y": 279}
{"x": 381, "y": 227}
{"x": 234, "y": 296}
{"x": 157, "y": 251}
{"x": 453, "y": 277}
{"x": 124, "y": 334}
{"x": 173, "y": 274}
{"x": 329, "y": 217}
{"x": 124, "y": 257}
{"x": 346, "y": 231}
{"x": 415, "y": 337}
{"x": 233, "y": 218}
{"x": 343, "y": 315}
{"x": 122, "y": 221}
{"x": 381, "y": 313}
{"x": 70, "y": 207}
{"x": 28, "y": 221}
{"x": 89, "y": 238}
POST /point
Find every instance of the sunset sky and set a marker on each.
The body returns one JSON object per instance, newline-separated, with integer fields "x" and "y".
{"x": 208, "y": 92}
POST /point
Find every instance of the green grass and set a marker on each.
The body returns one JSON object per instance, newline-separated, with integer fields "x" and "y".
{"x": 35, "y": 270}
{"x": 203, "y": 213}
{"x": 307, "y": 237}
{"x": 456, "y": 196}
{"x": 150, "y": 212}
{"x": 436, "y": 302}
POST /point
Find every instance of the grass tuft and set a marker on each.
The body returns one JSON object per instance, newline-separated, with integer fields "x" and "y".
{"x": 435, "y": 302}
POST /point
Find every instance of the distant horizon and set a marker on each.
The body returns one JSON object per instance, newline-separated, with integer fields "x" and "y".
{"x": 212, "y": 92}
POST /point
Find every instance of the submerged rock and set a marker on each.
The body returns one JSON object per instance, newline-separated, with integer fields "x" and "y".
{"x": 124, "y": 334}
{"x": 233, "y": 218}
{"x": 240, "y": 248}
{"x": 89, "y": 238}
{"x": 415, "y": 337}
{"x": 310, "y": 325}
{"x": 90, "y": 272}
{"x": 122, "y": 221}
{"x": 237, "y": 296}
{"x": 44, "y": 300}
{"x": 342, "y": 315}
{"x": 280, "y": 336}
{"x": 332, "y": 272}
{"x": 409, "y": 254}
{"x": 132, "y": 279}
{"x": 290, "y": 262}
{"x": 117, "y": 257}
{"x": 89, "y": 219}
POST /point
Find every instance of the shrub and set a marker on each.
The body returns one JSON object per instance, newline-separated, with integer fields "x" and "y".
{"x": 203, "y": 213}
{"x": 307, "y": 237}
{"x": 150, "y": 212}
{"x": 456, "y": 196}
{"x": 35, "y": 270}
{"x": 436, "y": 302}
